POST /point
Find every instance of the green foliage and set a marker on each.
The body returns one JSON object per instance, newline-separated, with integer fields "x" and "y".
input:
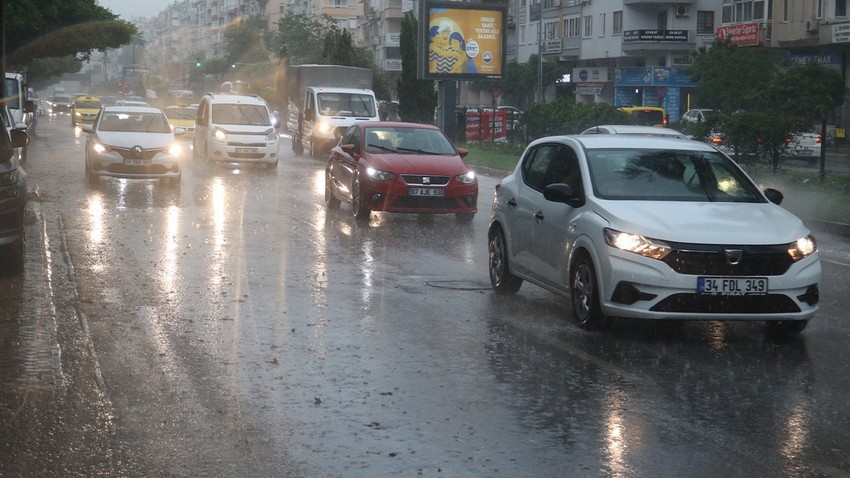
{"x": 520, "y": 83}
{"x": 41, "y": 70}
{"x": 807, "y": 92}
{"x": 297, "y": 36}
{"x": 53, "y": 28}
{"x": 565, "y": 116}
{"x": 244, "y": 41}
{"x": 416, "y": 98}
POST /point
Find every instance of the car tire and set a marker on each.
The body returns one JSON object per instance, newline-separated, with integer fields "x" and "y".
{"x": 331, "y": 201}
{"x": 314, "y": 151}
{"x": 272, "y": 165}
{"x": 360, "y": 212}
{"x": 91, "y": 177}
{"x": 584, "y": 295}
{"x": 501, "y": 279}
{"x": 15, "y": 262}
{"x": 297, "y": 145}
{"x": 785, "y": 327}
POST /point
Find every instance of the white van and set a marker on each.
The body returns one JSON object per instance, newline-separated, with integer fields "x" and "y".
{"x": 235, "y": 129}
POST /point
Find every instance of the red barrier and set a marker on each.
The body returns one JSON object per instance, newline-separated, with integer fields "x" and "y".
{"x": 486, "y": 125}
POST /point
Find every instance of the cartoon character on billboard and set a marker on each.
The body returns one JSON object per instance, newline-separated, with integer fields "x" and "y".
{"x": 447, "y": 48}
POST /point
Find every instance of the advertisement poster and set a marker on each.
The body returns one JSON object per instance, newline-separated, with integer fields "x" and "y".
{"x": 465, "y": 42}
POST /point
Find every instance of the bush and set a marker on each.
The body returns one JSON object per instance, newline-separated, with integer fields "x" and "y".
{"x": 565, "y": 116}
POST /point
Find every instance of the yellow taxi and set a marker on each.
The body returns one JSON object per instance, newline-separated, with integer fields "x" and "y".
{"x": 646, "y": 115}
{"x": 85, "y": 109}
{"x": 182, "y": 116}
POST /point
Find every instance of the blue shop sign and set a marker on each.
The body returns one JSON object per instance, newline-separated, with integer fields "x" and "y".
{"x": 653, "y": 76}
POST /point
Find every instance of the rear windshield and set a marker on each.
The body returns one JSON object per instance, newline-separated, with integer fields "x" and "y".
{"x": 647, "y": 117}
{"x": 92, "y": 104}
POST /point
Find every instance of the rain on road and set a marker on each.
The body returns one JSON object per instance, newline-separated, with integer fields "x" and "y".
{"x": 232, "y": 326}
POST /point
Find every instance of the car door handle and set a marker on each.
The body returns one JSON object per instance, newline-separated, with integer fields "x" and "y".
{"x": 538, "y": 215}
{"x": 512, "y": 202}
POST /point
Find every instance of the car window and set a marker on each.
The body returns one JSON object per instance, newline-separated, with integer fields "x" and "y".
{"x": 350, "y": 134}
{"x": 535, "y": 170}
{"x": 386, "y": 139}
{"x": 668, "y": 175}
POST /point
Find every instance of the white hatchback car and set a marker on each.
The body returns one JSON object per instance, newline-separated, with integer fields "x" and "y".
{"x": 650, "y": 228}
{"x": 635, "y": 129}
{"x": 133, "y": 142}
{"x": 235, "y": 129}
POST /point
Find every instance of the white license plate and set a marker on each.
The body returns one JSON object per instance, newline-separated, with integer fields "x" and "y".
{"x": 435, "y": 192}
{"x": 732, "y": 285}
{"x": 247, "y": 150}
{"x": 134, "y": 162}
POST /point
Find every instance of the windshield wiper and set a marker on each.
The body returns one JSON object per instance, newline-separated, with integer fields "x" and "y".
{"x": 383, "y": 148}
{"x": 419, "y": 151}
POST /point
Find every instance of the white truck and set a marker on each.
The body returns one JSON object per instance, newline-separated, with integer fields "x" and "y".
{"x": 324, "y": 100}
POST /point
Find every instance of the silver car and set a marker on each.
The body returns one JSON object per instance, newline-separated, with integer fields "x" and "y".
{"x": 133, "y": 142}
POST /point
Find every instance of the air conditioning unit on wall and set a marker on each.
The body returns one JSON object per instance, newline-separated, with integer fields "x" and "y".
{"x": 811, "y": 25}
{"x": 682, "y": 10}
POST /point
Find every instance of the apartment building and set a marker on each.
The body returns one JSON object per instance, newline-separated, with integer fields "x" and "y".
{"x": 621, "y": 52}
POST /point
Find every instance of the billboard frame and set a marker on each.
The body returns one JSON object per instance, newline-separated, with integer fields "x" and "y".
{"x": 424, "y": 44}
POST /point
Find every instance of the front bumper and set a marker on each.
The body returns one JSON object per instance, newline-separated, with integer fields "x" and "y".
{"x": 112, "y": 164}
{"x": 643, "y": 288}
{"x": 395, "y": 196}
{"x": 245, "y": 149}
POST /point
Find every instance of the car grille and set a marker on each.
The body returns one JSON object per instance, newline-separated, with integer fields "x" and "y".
{"x": 709, "y": 304}
{"x": 704, "y": 259}
{"x": 128, "y": 153}
{"x": 419, "y": 180}
{"x": 144, "y": 169}
{"x": 246, "y": 155}
{"x": 427, "y": 203}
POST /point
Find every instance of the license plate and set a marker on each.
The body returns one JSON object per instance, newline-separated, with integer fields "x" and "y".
{"x": 134, "y": 162}
{"x": 247, "y": 150}
{"x": 433, "y": 192}
{"x": 732, "y": 285}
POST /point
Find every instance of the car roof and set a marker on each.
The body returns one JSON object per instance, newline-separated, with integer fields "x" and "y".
{"x": 636, "y": 129}
{"x": 626, "y": 141}
{"x": 240, "y": 99}
{"x": 395, "y": 124}
{"x": 129, "y": 109}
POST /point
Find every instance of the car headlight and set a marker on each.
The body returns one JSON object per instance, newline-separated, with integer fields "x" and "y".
{"x": 637, "y": 244}
{"x": 176, "y": 149}
{"x": 101, "y": 148}
{"x": 802, "y": 248}
{"x": 324, "y": 128}
{"x": 271, "y": 135}
{"x": 77, "y": 113}
{"x": 220, "y": 135}
{"x": 9, "y": 178}
{"x": 378, "y": 175}
{"x": 466, "y": 178}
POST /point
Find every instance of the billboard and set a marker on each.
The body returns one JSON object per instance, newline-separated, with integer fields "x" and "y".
{"x": 461, "y": 41}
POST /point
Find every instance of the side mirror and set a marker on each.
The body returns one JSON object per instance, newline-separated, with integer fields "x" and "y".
{"x": 309, "y": 114}
{"x": 87, "y": 128}
{"x": 178, "y": 131}
{"x": 29, "y": 106}
{"x": 462, "y": 152}
{"x": 19, "y": 137}
{"x": 563, "y": 193}
{"x": 774, "y": 196}
{"x": 350, "y": 149}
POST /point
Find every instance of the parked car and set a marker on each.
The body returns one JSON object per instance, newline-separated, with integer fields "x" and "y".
{"x": 805, "y": 146}
{"x": 633, "y": 129}
{"x": 513, "y": 116}
{"x": 133, "y": 142}
{"x": 696, "y": 116}
{"x": 651, "y": 228}
{"x": 235, "y": 129}
{"x": 400, "y": 167}
{"x": 13, "y": 196}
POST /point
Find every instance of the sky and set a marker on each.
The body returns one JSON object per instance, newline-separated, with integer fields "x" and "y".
{"x": 129, "y": 9}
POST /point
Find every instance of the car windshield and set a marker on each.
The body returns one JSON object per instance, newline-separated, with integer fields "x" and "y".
{"x": 87, "y": 104}
{"x": 346, "y": 104}
{"x": 647, "y": 117}
{"x": 181, "y": 113}
{"x": 408, "y": 140}
{"x": 134, "y": 122}
{"x": 232, "y": 113}
{"x": 668, "y": 175}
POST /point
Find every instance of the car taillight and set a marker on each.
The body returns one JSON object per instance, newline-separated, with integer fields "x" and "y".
{"x": 716, "y": 140}
{"x": 787, "y": 140}
{"x": 664, "y": 121}
{"x": 818, "y": 140}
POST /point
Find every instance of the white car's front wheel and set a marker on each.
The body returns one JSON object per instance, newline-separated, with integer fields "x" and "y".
{"x": 584, "y": 295}
{"x": 501, "y": 279}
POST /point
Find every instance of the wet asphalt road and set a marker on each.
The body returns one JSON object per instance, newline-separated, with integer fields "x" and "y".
{"x": 234, "y": 327}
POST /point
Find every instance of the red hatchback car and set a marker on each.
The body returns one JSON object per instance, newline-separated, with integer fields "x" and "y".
{"x": 400, "y": 167}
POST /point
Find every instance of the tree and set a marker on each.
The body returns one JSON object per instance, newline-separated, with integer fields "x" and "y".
{"x": 416, "y": 98}
{"x": 244, "y": 41}
{"x": 60, "y": 28}
{"x": 339, "y": 49}
{"x": 297, "y": 36}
